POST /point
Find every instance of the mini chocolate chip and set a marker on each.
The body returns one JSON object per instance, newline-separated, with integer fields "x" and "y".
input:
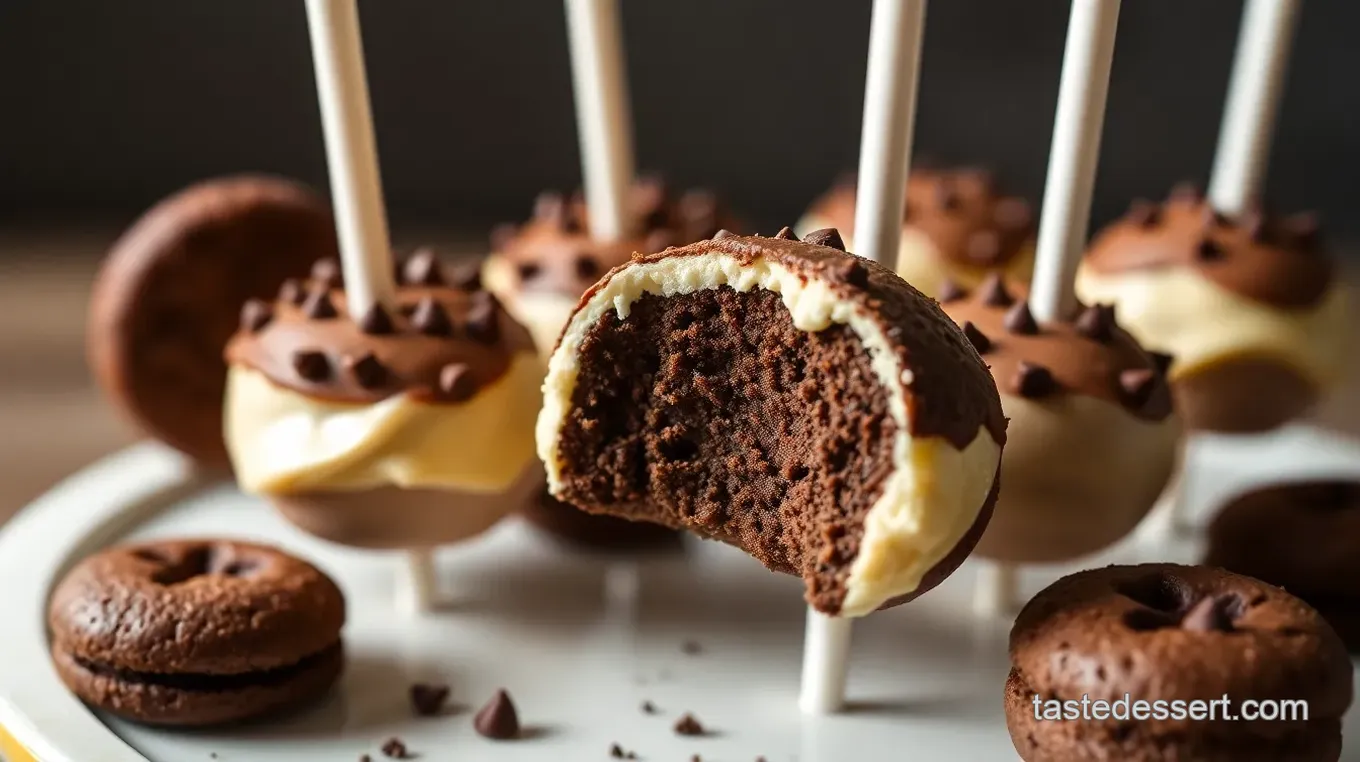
{"x": 786, "y": 234}
{"x": 587, "y": 268}
{"x": 498, "y": 720}
{"x": 1162, "y": 361}
{"x": 657, "y": 240}
{"x": 854, "y": 273}
{"x": 1096, "y": 322}
{"x": 318, "y": 305}
{"x": 829, "y": 237}
{"x": 367, "y": 369}
{"x": 528, "y": 270}
{"x": 395, "y": 748}
{"x": 502, "y": 235}
{"x": 946, "y": 196}
{"x": 616, "y": 751}
{"x": 993, "y": 292}
{"x": 1137, "y": 385}
{"x": 1033, "y": 381}
{"x": 1185, "y": 191}
{"x": 255, "y": 315}
{"x": 456, "y": 382}
{"x": 428, "y": 700}
{"x": 1213, "y": 218}
{"x": 1144, "y": 213}
{"x": 951, "y": 291}
{"x": 983, "y": 247}
{"x": 688, "y": 725}
{"x": 1209, "y": 614}
{"x": 1013, "y": 213}
{"x": 376, "y": 322}
{"x": 648, "y": 707}
{"x": 311, "y": 364}
{"x": 326, "y": 271}
{"x": 1020, "y": 320}
{"x": 291, "y": 292}
{"x": 422, "y": 269}
{"x": 467, "y": 277}
{"x": 1208, "y": 250}
{"x": 976, "y": 337}
{"x": 430, "y": 318}
{"x": 723, "y": 233}
{"x": 482, "y": 324}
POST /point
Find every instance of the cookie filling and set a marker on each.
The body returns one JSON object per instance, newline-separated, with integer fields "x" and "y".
{"x": 208, "y": 683}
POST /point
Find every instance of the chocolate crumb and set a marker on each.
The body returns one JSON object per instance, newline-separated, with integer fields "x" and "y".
{"x": 616, "y": 751}
{"x": 696, "y": 758}
{"x": 648, "y": 707}
{"x": 722, "y": 233}
{"x": 786, "y": 234}
{"x": 311, "y": 364}
{"x": 431, "y": 319}
{"x": 1033, "y": 381}
{"x": 691, "y": 648}
{"x": 1020, "y": 320}
{"x": 688, "y": 725}
{"x": 318, "y": 305}
{"x": 481, "y": 319}
{"x": 376, "y": 322}
{"x": 1096, "y": 322}
{"x": 829, "y": 237}
{"x": 365, "y": 758}
{"x": 976, "y": 337}
{"x": 366, "y": 369}
{"x": 428, "y": 700}
{"x": 255, "y": 315}
{"x": 993, "y": 292}
{"x": 498, "y": 720}
{"x": 326, "y": 272}
{"x": 422, "y": 269}
{"x": 291, "y": 292}
{"x": 456, "y": 382}
{"x": 394, "y": 748}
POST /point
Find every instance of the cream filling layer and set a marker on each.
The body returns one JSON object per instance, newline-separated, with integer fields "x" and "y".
{"x": 1200, "y": 323}
{"x": 283, "y": 442}
{"x": 934, "y": 492}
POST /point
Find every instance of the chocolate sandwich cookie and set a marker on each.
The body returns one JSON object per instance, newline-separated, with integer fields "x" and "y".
{"x": 1304, "y": 537}
{"x": 196, "y": 632}
{"x": 780, "y": 396}
{"x": 170, "y": 292}
{"x": 1168, "y": 633}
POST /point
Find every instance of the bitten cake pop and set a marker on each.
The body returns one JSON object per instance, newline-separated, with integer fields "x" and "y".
{"x": 394, "y": 430}
{"x": 1250, "y": 308}
{"x": 1084, "y": 402}
{"x": 785, "y": 397}
{"x": 956, "y": 227}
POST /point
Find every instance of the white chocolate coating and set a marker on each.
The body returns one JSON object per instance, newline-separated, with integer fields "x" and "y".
{"x": 935, "y": 491}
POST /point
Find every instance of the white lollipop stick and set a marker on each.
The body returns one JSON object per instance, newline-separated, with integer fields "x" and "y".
{"x": 602, "y": 114}
{"x": 895, "y": 32}
{"x": 356, "y": 189}
{"x": 1250, "y": 112}
{"x": 1074, "y": 155}
{"x": 418, "y": 582}
{"x": 996, "y": 589}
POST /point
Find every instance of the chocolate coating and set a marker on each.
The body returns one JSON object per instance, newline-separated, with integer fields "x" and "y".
{"x": 1275, "y": 261}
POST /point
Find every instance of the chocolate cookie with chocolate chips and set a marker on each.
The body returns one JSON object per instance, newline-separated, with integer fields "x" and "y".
{"x": 1169, "y": 633}
{"x": 1304, "y": 537}
{"x": 170, "y": 291}
{"x": 196, "y": 632}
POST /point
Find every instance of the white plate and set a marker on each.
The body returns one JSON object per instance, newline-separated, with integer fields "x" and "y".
{"x": 580, "y": 641}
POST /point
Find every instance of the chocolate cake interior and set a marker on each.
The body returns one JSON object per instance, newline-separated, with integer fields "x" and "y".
{"x": 710, "y": 410}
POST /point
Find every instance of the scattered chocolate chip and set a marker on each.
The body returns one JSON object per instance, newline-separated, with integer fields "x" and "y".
{"x": 691, "y": 648}
{"x": 1020, "y": 320}
{"x": 1185, "y": 191}
{"x": 430, "y": 318}
{"x": 688, "y": 725}
{"x": 422, "y": 269}
{"x": 365, "y": 758}
{"x": 983, "y": 247}
{"x": 291, "y": 292}
{"x": 498, "y": 720}
{"x": 696, "y": 758}
{"x": 1208, "y": 250}
{"x": 326, "y": 272}
{"x": 786, "y": 234}
{"x": 255, "y": 315}
{"x": 829, "y": 237}
{"x": 616, "y": 751}
{"x": 1096, "y": 322}
{"x": 311, "y": 365}
{"x": 760, "y": 758}
{"x": 467, "y": 277}
{"x": 1144, "y": 213}
{"x": 456, "y": 382}
{"x": 394, "y": 748}
{"x": 976, "y": 337}
{"x": 648, "y": 707}
{"x": 1013, "y": 213}
{"x": 318, "y": 305}
{"x": 946, "y": 196}
{"x": 1209, "y": 614}
{"x": 1162, "y": 361}
{"x": 723, "y": 233}
{"x": 428, "y": 700}
{"x": 502, "y": 235}
{"x": 587, "y": 268}
{"x": 366, "y": 369}
{"x": 376, "y": 322}
{"x": 854, "y": 273}
{"x": 1214, "y": 218}
{"x": 1137, "y": 385}
{"x": 482, "y": 324}
{"x": 1033, "y": 381}
{"x": 951, "y": 292}
{"x": 993, "y": 292}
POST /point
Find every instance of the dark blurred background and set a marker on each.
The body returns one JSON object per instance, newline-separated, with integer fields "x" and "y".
{"x": 108, "y": 106}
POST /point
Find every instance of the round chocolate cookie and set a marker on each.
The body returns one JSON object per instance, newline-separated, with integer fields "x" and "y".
{"x": 1168, "y": 633}
{"x": 1303, "y": 537}
{"x": 170, "y": 293}
{"x": 196, "y": 632}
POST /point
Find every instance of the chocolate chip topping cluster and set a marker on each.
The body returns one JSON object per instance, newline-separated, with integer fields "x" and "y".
{"x": 1270, "y": 259}
{"x": 446, "y": 339}
{"x": 1088, "y": 355}
{"x": 554, "y": 251}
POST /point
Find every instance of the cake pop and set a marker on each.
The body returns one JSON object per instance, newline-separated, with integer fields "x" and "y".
{"x": 397, "y": 429}
{"x": 785, "y": 397}
{"x": 1250, "y": 307}
{"x": 1084, "y": 402}
{"x": 956, "y": 227}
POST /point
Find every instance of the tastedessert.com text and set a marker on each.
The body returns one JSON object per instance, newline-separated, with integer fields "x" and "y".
{"x": 1129, "y": 708}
